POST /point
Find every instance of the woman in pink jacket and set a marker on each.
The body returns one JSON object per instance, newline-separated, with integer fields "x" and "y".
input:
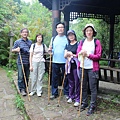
{"x": 90, "y": 49}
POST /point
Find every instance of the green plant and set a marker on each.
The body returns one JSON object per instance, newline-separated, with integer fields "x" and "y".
{"x": 103, "y": 63}
{"x": 9, "y": 75}
{"x": 19, "y": 102}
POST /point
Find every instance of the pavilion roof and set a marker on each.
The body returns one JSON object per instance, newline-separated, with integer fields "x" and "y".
{"x": 99, "y": 9}
{"x": 104, "y": 7}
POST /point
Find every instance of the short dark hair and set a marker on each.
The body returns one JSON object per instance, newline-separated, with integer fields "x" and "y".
{"x": 37, "y": 36}
{"x": 60, "y": 23}
{"x": 94, "y": 32}
{"x": 24, "y": 29}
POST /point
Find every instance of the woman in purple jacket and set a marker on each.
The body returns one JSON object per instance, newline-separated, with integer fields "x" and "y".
{"x": 71, "y": 68}
{"x": 90, "y": 49}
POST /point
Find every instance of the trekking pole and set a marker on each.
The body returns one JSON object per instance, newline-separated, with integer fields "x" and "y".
{"x": 24, "y": 76}
{"x": 61, "y": 90}
{"x": 81, "y": 84}
{"x": 49, "y": 78}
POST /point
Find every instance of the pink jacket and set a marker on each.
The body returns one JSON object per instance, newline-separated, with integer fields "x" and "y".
{"x": 96, "y": 57}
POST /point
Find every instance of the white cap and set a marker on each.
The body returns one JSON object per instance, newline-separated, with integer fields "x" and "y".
{"x": 90, "y": 25}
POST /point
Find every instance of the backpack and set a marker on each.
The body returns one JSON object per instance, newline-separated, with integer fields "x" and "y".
{"x": 44, "y": 56}
{"x": 94, "y": 41}
{"x": 43, "y": 48}
{"x": 53, "y": 40}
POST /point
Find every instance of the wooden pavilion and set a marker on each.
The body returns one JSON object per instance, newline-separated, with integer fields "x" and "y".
{"x": 108, "y": 10}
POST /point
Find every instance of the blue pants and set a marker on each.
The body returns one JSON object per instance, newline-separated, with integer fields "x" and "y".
{"x": 91, "y": 78}
{"x": 21, "y": 80}
{"x": 56, "y": 69}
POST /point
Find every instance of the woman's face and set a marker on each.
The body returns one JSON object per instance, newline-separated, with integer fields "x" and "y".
{"x": 89, "y": 32}
{"x": 39, "y": 38}
{"x": 71, "y": 36}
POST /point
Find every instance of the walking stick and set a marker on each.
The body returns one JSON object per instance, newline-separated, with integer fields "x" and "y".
{"x": 61, "y": 90}
{"x": 49, "y": 79}
{"x": 81, "y": 84}
{"x": 24, "y": 76}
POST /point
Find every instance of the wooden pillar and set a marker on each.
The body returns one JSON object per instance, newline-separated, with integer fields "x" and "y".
{"x": 11, "y": 35}
{"x": 55, "y": 16}
{"x": 111, "y": 42}
{"x": 66, "y": 21}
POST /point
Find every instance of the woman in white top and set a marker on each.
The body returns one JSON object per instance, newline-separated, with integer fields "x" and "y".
{"x": 90, "y": 49}
{"x": 37, "y": 65}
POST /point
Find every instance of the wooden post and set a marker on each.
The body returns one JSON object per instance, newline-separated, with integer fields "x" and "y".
{"x": 55, "y": 16}
{"x": 10, "y": 34}
{"x": 66, "y": 20}
{"x": 111, "y": 41}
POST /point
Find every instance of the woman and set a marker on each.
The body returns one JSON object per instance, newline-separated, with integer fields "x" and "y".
{"x": 90, "y": 49}
{"x": 37, "y": 65}
{"x": 71, "y": 68}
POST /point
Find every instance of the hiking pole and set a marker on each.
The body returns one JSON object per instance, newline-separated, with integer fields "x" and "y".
{"x": 24, "y": 76}
{"x": 49, "y": 78}
{"x": 81, "y": 84}
{"x": 61, "y": 90}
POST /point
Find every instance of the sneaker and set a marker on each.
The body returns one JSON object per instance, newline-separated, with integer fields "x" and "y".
{"x": 83, "y": 107}
{"x": 90, "y": 111}
{"x": 39, "y": 94}
{"x": 32, "y": 93}
{"x": 23, "y": 93}
{"x": 69, "y": 100}
{"x": 66, "y": 96}
{"x": 76, "y": 104}
{"x": 53, "y": 97}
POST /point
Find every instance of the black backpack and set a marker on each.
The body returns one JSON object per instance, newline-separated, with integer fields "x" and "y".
{"x": 94, "y": 41}
{"x": 44, "y": 56}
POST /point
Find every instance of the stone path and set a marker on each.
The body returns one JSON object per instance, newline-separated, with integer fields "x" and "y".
{"x": 8, "y": 110}
{"x": 39, "y": 109}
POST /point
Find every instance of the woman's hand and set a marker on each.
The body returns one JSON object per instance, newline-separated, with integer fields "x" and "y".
{"x": 69, "y": 54}
{"x": 31, "y": 68}
{"x": 83, "y": 53}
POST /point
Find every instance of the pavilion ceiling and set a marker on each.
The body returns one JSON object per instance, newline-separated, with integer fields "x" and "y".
{"x": 99, "y": 9}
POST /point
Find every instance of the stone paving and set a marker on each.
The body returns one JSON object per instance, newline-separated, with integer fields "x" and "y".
{"x": 8, "y": 110}
{"x": 39, "y": 109}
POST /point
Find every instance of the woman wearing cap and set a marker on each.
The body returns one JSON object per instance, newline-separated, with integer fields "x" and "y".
{"x": 90, "y": 49}
{"x": 71, "y": 68}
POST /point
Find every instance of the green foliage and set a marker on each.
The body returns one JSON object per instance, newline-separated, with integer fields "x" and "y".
{"x": 19, "y": 102}
{"x": 103, "y": 33}
{"x": 9, "y": 75}
{"x": 15, "y": 15}
{"x": 103, "y": 63}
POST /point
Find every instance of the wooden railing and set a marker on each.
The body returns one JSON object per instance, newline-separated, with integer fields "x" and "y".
{"x": 109, "y": 74}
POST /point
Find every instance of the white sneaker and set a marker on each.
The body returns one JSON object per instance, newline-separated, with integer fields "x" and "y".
{"x": 69, "y": 100}
{"x": 39, "y": 94}
{"x": 76, "y": 104}
{"x": 32, "y": 93}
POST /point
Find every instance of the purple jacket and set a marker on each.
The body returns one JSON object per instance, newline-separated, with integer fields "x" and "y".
{"x": 68, "y": 65}
{"x": 96, "y": 57}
